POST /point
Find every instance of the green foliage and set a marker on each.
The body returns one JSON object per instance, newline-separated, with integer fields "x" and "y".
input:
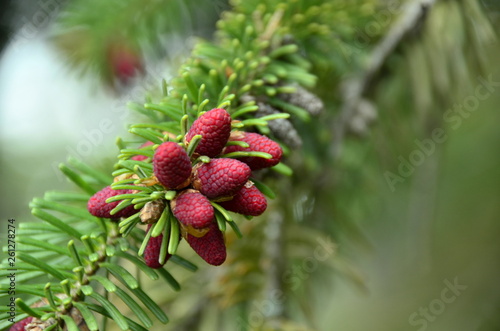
{"x": 89, "y": 31}
{"x": 73, "y": 256}
{"x": 70, "y": 262}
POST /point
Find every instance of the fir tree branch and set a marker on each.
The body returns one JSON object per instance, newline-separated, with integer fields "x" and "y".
{"x": 250, "y": 57}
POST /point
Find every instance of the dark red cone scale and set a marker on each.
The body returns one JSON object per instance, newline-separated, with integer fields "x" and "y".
{"x": 98, "y": 207}
{"x": 215, "y": 127}
{"x": 171, "y": 164}
{"x": 142, "y": 157}
{"x": 211, "y": 246}
{"x": 152, "y": 251}
{"x": 221, "y": 177}
{"x": 192, "y": 208}
{"x": 258, "y": 143}
{"x": 19, "y": 326}
{"x": 247, "y": 201}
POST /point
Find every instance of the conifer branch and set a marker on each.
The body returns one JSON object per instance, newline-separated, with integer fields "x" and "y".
{"x": 252, "y": 58}
{"x": 355, "y": 88}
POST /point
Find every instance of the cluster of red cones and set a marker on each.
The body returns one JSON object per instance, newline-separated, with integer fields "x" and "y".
{"x": 225, "y": 181}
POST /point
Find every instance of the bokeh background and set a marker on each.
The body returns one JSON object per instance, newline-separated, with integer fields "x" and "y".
{"x": 411, "y": 201}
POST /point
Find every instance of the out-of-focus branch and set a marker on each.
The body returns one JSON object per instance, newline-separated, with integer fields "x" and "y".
{"x": 353, "y": 90}
{"x": 274, "y": 266}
